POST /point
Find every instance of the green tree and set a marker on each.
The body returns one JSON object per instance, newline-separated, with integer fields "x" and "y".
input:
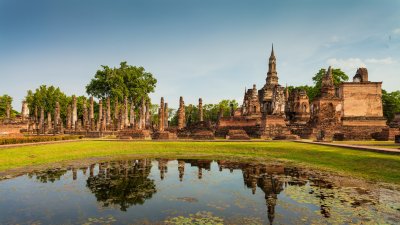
{"x": 46, "y": 98}
{"x": 116, "y": 83}
{"x": 391, "y": 104}
{"x": 338, "y": 77}
{"x": 6, "y": 100}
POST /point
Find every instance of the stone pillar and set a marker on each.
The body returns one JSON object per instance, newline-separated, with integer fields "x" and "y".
{"x": 35, "y": 115}
{"x": 49, "y": 127}
{"x": 181, "y": 114}
{"x": 166, "y": 115}
{"x": 85, "y": 115}
{"x": 108, "y": 122}
{"x": 74, "y": 112}
{"x": 220, "y": 113}
{"x": 24, "y": 111}
{"x": 57, "y": 118}
{"x": 161, "y": 115}
{"x": 142, "y": 119}
{"x": 91, "y": 114}
{"x": 69, "y": 117}
{"x": 116, "y": 109}
{"x": 8, "y": 111}
{"x": 132, "y": 116}
{"x": 41, "y": 117}
{"x": 100, "y": 114}
{"x": 201, "y": 119}
{"x": 148, "y": 116}
{"x": 103, "y": 126}
{"x": 126, "y": 112}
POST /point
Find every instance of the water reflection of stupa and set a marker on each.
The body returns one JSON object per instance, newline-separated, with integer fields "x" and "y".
{"x": 123, "y": 183}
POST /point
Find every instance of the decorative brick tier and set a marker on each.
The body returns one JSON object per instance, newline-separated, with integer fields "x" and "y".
{"x": 164, "y": 135}
{"x": 237, "y": 135}
{"x": 134, "y": 134}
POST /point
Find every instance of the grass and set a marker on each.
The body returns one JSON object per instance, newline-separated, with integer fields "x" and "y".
{"x": 367, "y": 165}
{"x": 379, "y": 144}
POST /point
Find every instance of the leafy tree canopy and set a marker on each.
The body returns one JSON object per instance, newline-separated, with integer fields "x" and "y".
{"x": 4, "y": 101}
{"x": 116, "y": 83}
{"x": 391, "y": 104}
{"x": 46, "y": 98}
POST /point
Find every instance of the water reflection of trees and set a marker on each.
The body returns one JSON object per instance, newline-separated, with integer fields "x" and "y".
{"x": 50, "y": 175}
{"x": 122, "y": 183}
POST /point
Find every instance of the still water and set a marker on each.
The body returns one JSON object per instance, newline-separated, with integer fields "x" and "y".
{"x": 165, "y": 191}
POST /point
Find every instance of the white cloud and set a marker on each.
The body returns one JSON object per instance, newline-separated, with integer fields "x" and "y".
{"x": 396, "y": 31}
{"x": 349, "y": 64}
{"x": 384, "y": 61}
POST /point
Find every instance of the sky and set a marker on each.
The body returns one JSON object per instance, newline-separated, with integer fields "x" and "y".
{"x": 195, "y": 48}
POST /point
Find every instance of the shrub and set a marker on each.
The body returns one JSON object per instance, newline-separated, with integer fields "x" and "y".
{"x": 34, "y": 139}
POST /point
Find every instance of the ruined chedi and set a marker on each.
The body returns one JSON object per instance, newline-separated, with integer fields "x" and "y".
{"x": 181, "y": 114}
{"x": 166, "y": 115}
{"x": 201, "y": 110}
{"x": 161, "y": 115}
{"x": 74, "y": 112}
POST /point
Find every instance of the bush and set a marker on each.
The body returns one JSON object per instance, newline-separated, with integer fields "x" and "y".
{"x": 34, "y": 139}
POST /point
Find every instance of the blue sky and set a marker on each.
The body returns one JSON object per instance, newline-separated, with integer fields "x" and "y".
{"x": 210, "y": 48}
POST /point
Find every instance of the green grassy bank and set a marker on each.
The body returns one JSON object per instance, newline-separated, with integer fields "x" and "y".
{"x": 367, "y": 165}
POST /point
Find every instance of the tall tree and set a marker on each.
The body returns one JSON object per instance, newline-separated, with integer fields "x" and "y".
{"x": 5, "y": 101}
{"x": 116, "y": 83}
{"x": 391, "y": 104}
{"x": 47, "y": 97}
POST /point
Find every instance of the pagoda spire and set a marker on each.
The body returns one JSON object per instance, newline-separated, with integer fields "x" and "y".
{"x": 272, "y": 75}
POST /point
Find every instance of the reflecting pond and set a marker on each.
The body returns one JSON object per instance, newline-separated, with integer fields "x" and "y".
{"x": 165, "y": 191}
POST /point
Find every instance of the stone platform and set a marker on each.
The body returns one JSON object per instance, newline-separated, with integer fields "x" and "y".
{"x": 135, "y": 134}
{"x": 164, "y": 135}
{"x": 237, "y": 135}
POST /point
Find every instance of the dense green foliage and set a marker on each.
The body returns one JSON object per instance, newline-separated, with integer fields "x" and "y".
{"x": 116, "y": 83}
{"x": 46, "y": 98}
{"x": 6, "y": 100}
{"x": 210, "y": 112}
{"x": 360, "y": 164}
{"x": 391, "y": 104}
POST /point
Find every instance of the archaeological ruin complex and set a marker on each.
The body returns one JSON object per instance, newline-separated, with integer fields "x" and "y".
{"x": 351, "y": 111}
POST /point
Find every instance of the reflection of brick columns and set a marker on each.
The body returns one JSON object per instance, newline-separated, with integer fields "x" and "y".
{"x": 200, "y": 110}
{"x": 181, "y": 113}
{"x": 132, "y": 116}
{"x": 181, "y": 169}
{"x": 166, "y": 115}
{"x": 74, "y": 112}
